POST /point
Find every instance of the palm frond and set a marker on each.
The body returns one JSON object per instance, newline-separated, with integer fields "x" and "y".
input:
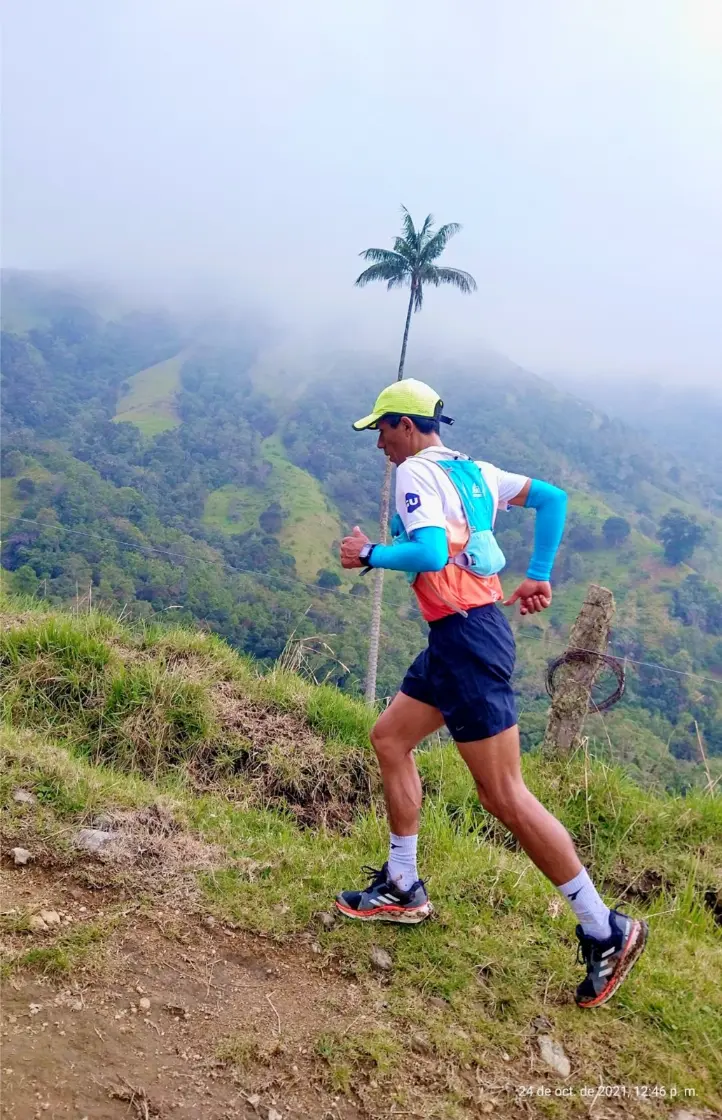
{"x": 464, "y": 281}
{"x": 402, "y": 247}
{"x": 410, "y": 234}
{"x": 382, "y": 256}
{"x": 435, "y": 246}
{"x": 383, "y": 270}
{"x": 426, "y": 228}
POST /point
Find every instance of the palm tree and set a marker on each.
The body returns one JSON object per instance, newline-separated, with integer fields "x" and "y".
{"x": 410, "y": 262}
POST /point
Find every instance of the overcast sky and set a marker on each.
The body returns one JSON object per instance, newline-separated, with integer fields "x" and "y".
{"x": 257, "y": 147}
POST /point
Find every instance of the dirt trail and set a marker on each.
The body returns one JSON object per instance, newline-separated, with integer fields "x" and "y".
{"x": 85, "y": 1046}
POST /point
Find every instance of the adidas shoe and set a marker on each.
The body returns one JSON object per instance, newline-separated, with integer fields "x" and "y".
{"x": 608, "y": 962}
{"x": 383, "y": 901}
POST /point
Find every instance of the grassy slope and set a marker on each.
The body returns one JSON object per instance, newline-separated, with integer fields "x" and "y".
{"x": 501, "y": 950}
{"x": 310, "y": 527}
{"x": 150, "y": 400}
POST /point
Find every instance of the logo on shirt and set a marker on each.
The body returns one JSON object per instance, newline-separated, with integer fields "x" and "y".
{"x": 413, "y": 501}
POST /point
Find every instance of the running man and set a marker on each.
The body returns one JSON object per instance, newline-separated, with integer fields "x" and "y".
{"x": 443, "y": 539}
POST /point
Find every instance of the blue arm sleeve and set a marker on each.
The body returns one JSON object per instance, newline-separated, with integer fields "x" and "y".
{"x": 427, "y": 551}
{"x": 550, "y": 504}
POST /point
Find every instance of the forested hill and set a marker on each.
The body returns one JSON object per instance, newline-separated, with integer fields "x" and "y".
{"x": 151, "y": 467}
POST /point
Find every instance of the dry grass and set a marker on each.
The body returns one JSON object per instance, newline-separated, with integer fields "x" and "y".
{"x": 154, "y": 703}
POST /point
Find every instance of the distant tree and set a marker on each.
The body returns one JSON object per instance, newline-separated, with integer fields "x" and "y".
{"x": 24, "y": 488}
{"x": 26, "y": 581}
{"x": 12, "y": 463}
{"x": 679, "y": 535}
{"x": 327, "y": 578}
{"x": 580, "y": 534}
{"x": 698, "y": 603}
{"x": 615, "y": 530}
{"x": 360, "y": 591}
{"x": 271, "y": 520}
{"x": 410, "y": 262}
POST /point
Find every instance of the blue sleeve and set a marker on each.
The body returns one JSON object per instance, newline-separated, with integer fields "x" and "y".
{"x": 427, "y": 551}
{"x": 550, "y": 504}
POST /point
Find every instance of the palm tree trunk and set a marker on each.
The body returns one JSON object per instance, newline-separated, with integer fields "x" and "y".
{"x": 402, "y": 359}
{"x": 375, "y": 634}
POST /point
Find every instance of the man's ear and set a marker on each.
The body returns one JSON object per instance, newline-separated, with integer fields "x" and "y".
{"x": 408, "y": 425}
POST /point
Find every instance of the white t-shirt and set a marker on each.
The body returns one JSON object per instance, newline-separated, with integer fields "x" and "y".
{"x": 426, "y": 496}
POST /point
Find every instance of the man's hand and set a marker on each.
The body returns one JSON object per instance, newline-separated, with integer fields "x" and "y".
{"x": 533, "y": 595}
{"x": 351, "y": 547}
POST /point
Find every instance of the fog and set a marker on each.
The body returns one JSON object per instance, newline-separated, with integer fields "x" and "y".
{"x": 246, "y": 152}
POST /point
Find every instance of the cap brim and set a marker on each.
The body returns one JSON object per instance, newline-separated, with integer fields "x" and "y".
{"x": 367, "y": 422}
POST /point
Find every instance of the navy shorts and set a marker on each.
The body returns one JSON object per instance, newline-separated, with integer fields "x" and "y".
{"x": 466, "y": 673}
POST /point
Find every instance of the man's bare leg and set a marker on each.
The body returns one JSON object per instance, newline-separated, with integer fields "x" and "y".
{"x": 395, "y": 893}
{"x": 399, "y": 729}
{"x": 495, "y": 765}
{"x": 612, "y": 942}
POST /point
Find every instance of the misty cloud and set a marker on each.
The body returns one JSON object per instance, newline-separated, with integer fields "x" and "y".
{"x": 251, "y": 151}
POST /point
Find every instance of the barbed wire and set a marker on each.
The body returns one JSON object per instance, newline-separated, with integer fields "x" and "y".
{"x": 585, "y": 656}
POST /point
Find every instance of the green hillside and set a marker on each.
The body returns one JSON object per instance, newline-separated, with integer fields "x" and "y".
{"x": 310, "y": 526}
{"x": 230, "y": 517}
{"x": 150, "y": 399}
{"x": 254, "y": 798}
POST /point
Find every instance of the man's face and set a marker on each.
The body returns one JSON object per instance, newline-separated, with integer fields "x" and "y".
{"x": 396, "y": 443}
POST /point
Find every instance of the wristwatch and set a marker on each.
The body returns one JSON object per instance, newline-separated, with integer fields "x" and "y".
{"x": 365, "y": 556}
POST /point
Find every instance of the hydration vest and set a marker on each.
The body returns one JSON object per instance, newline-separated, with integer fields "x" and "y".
{"x": 481, "y": 555}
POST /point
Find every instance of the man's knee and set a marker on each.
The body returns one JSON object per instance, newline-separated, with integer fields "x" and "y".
{"x": 388, "y": 746}
{"x": 505, "y": 800}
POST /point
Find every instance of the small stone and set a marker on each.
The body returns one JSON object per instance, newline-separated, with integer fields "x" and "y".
{"x": 50, "y": 917}
{"x": 144, "y": 1004}
{"x": 254, "y": 1100}
{"x": 438, "y": 1002}
{"x": 93, "y": 839}
{"x": 140, "y": 989}
{"x": 37, "y": 925}
{"x": 21, "y": 856}
{"x": 34, "y": 1008}
{"x": 315, "y": 947}
{"x": 209, "y": 921}
{"x": 553, "y": 1054}
{"x": 23, "y": 797}
{"x": 381, "y": 960}
{"x": 325, "y": 919}
{"x": 272, "y": 1114}
{"x": 683, "y": 1114}
{"x": 541, "y": 1024}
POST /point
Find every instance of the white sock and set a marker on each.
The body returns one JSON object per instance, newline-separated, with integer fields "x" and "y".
{"x": 402, "y": 861}
{"x": 593, "y": 914}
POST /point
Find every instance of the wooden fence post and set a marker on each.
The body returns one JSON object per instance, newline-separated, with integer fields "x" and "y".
{"x": 573, "y": 682}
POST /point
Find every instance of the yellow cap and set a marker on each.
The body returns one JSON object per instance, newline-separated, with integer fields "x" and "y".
{"x": 406, "y": 398}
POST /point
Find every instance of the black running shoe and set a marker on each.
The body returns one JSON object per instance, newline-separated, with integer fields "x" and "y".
{"x": 608, "y": 962}
{"x": 383, "y": 901}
